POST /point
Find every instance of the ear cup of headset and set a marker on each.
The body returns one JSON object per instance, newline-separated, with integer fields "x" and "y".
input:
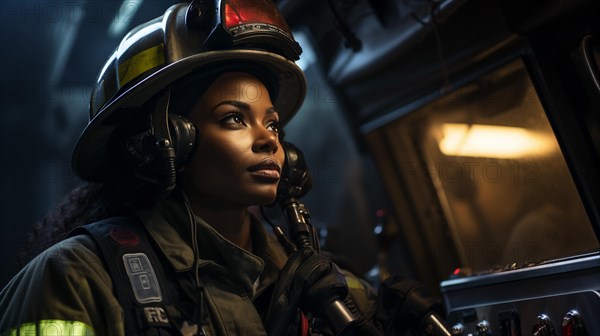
{"x": 184, "y": 136}
{"x": 296, "y": 180}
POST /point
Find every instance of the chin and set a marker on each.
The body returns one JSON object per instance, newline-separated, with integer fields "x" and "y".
{"x": 265, "y": 199}
{"x": 262, "y": 197}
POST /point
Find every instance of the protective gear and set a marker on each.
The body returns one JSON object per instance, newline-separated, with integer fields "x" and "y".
{"x": 309, "y": 281}
{"x": 145, "y": 288}
{"x": 70, "y": 282}
{"x": 203, "y": 38}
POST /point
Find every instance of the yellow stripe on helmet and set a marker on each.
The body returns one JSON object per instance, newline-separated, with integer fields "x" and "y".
{"x": 140, "y": 63}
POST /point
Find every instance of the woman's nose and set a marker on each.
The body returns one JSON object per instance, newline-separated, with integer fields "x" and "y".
{"x": 265, "y": 141}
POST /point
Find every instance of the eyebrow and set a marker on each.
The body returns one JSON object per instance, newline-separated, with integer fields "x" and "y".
{"x": 236, "y": 103}
{"x": 242, "y": 105}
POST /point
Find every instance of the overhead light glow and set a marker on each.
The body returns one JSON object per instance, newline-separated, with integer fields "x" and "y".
{"x": 491, "y": 141}
{"x": 123, "y": 18}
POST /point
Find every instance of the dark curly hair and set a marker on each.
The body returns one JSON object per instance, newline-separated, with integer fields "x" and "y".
{"x": 86, "y": 203}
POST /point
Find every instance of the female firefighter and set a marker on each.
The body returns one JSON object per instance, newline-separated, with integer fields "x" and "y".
{"x": 185, "y": 136}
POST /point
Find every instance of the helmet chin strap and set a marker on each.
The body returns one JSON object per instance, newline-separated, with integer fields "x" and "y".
{"x": 164, "y": 145}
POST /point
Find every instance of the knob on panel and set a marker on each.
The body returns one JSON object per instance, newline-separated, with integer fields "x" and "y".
{"x": 458, "y": 329}
{"x": 543, "y": 326}
{"x": 483, "y": 329}
{"x": 572, "y": 325}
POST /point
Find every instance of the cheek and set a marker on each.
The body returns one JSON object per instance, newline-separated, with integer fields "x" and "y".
{"x": 280, "y": 155}
{"x": 216, "y": 154}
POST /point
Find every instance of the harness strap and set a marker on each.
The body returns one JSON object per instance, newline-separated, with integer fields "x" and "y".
{"x": 138, "y": 276}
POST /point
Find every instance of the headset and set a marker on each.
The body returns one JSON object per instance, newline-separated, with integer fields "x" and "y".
{"x": 159, "y": 144}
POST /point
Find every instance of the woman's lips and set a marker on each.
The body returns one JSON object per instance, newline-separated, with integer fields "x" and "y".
{"x": 272, "y": 173}
{"x": 267, "y": 168}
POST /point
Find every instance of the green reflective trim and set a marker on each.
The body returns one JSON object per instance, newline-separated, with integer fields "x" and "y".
{"x": 52, "y": 328}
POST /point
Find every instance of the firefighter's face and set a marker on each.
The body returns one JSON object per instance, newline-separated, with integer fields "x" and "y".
{"x": 239, "y": 158}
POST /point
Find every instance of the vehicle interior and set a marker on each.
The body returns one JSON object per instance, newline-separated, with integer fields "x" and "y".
{"x": 453, "y": 142}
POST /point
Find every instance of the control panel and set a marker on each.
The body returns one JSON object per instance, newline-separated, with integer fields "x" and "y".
{"x": 494, "y": 321}
{"x": 555, "y": 299}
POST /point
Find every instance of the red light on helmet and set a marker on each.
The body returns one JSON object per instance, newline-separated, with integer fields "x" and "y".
{"x": 258, "y": 12}
{"x": 252, "y": 24}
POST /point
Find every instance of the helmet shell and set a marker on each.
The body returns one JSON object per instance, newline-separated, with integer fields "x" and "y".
{"x": 151, "y": 57}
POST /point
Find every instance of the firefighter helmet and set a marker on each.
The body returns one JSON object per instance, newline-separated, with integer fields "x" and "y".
{"x": 188, "y": 39}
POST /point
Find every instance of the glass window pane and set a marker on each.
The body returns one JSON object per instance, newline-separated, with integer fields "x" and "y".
{"x": 498, "y": 171}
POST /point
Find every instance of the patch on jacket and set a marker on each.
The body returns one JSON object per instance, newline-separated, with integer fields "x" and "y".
{"x": 142, "y": 277}
{"x": 156, "y": 315}
{"x": 124, "y": 237}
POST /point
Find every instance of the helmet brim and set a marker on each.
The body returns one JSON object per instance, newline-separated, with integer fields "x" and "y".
{"x": 89, "y": 155}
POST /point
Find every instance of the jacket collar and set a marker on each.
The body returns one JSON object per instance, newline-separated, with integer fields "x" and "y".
{"x": 169, "y": 225}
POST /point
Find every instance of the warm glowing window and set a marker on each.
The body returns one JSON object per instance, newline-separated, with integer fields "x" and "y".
{"x": 495, "y": 164}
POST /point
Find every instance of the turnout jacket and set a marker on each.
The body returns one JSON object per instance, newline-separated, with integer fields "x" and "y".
{"x": 67, "y": 289}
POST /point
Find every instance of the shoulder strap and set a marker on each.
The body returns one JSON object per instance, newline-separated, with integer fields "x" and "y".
{"x": 138, "y": 275}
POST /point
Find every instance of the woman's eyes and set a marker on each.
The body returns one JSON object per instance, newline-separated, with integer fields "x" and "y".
{"x": 274, "y": 126}
{"x": 233, "y": 118}
{"x": 237, "y": 118}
